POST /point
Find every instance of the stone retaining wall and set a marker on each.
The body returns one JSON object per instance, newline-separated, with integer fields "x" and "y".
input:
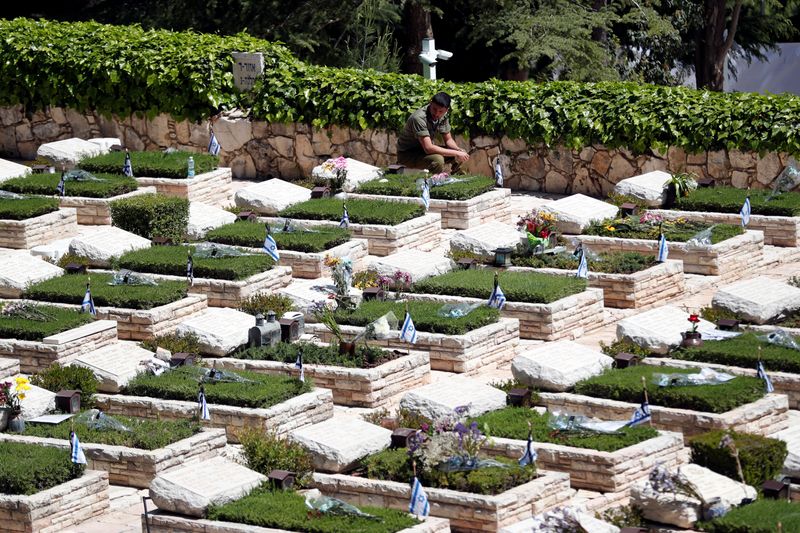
{"x": 8, "y": 368}
{"x": 144, "y": 324}
{"x": 96, "y": 211}
{"x": 208, "y": 188}
{"x": 303, "y": 410}
{"x": 58, "y": 508}
{"x": 25, "y": 234}
{"x": 312, "y": 265}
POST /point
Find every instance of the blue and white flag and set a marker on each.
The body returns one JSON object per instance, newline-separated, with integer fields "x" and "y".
{"x": 745, "y": 212}
{"x": 497, "y": 299}
{"x": 88, "y": 303}
{"x": 530, "y": 455}
{"x": 419, "y": 505}
{"x": 498, "y": 172}
{"x": 663, "y": 251}
{"x": 763, "y": 375}
{"x": 61, "y": 188}
{"x": 213, "y": 144}
{"x": 190, "y": 271}
{"x": 76, "y": 454}
{"x": 299, "y": 366}
{"x": 345, "y": 222}
{"x": 641, "y": 414}
{"x": 426, "y": 194}
{"x": 271, "y": 247}
{"x": 583, "y": 267}
{"x": 201, "y": 399}
{"x": 127, "y": 168}
{"x": 408, "y": 332}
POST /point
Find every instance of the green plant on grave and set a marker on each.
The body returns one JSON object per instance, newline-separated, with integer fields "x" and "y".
{"x": 683, "y": 183}
{"x": 715, "y": 314}
{"x": 106, "y": 186}
{"x": 34, "y": 322}
{"x": 761, "y": 458}
{"x": 25, "y": 208}
{"x": 266, "y": 451}
{"x": 623, "y": 345}
{"x": 26, "y": 469}
{"x": 264, "y": 302}
{"x": 174, "y": 342}
{"x": 625, "y": 516}
{"x": 730, "y": 200}
{"x": 761, "y": 516}
{"x": 151, "y": 215}
{"x": 72, "y": 377}
{"x": 151, "y": 164}
{"x": 68, "y": 258}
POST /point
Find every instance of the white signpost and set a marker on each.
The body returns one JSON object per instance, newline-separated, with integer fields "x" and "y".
{"x": 247, "y": 67}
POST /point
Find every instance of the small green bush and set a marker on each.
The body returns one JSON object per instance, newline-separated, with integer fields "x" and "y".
{"x": 266, "y": 452}
{"x": 71, "y": 289}
{"x": 182, "y": 383}
{"x": 626, "y": 385}
{"x": 313, "y": 354}
{"x": 630, "y": 228}
{"x": 174, "y": 342}
{"x": 264, "y": 302}
{"x": 622, "y": 345}
{"x": 68, "y": 258}
{"x": 761, "y": 457}
{"x": 72, "y": 377}
{"x": 609, "y": 263}
{"x": 359, "y": 211}
{"x": 251, "y": 234}
{"x": 50, "y": 320}
{"x": 150, "y": 215}
{"x": 743, "y": 351}
{"x": 152, "y": 164}
{"x": 761, "y": 516}
{"x": 730, "y": 200}
{"x": 27, "y": 469}
{"x": 111, "y": 185}
{"x": 528, "y": 287}
{"x": 25, "y": 208}
{"x": 172, "y": 260}
{"x": 406, "y": 185}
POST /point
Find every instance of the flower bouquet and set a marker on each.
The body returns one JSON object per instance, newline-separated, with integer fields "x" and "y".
{"x": 11, "y": 396}
{"x": 539, "y": 227}
{"x": 332, "y": 172}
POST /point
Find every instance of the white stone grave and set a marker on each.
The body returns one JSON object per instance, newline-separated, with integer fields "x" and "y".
{"x": 103, "y": 243}
{"x": 418, "y": 264}
{"x": 220, "y": 330}
{"x": 203, "y": 218}
{"x": 69, "y": 151}
{"x": 791, "y": 436}
{"x": 441, "y": 398}
{"x": 558, "y": 366}
{"x": 307, "y": 293}
{"x": 37, "y": 402}
{"x": 535, "y": 524}
{"x": 53, "y": 250}
{"x": 575, "y": 213}
{"x": 338, "y": 443}
{"x": 115, "y": 364}
{"x": 659, "y": 329}
{"x": 9, "y": 169}
{"x": 19, "y": 269}
{"x": 358, "y": 172}
{"x": 105, "y": 143}
{"x": 269, "y": 197}
{"x": 190, "y": 489}
{"x": 484, "y": 239}
{"x": 649, "y": 187}
{"x": 758, "y": 299}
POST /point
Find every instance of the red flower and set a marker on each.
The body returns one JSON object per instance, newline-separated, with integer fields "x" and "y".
{"x": 544, "y": 234}
{"x": 694, "y": 319}
{"x": 530, "y": 226}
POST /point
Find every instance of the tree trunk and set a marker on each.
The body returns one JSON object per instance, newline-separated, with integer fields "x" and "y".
{"x": 417, "y": 23}
{"x": 712, "y": 44}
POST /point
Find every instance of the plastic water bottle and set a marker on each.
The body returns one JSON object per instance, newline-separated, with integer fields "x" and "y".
{"x": 191, "y": 167}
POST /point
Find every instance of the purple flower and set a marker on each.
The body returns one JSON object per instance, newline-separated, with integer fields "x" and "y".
{"x": 461, "y": 410}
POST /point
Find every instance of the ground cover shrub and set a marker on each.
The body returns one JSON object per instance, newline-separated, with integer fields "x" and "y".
{"x": 27, "y": 469}
{"x": 33, "y": 322}
{"x": 287, "y": 511}
{"x": 151, "y": 215}
{"x": 623, "y": 345}
{"x": 254, "y": 390}
{"x": 626, "y": 385}
{"x": 264, "y": 302}
{"x": 111, "y": 185}
{"x": 425, "y": 315}
{"x": 24, "y": 208}
{"x": 71, "y": 377}
{"x": 512, "y": 423}
{"x": 172, "y": 260}
{"x": 743, "y": 351}
{"x": 676, "y": 231}
{"x": 761, "y": 457}
{"x": 360, "y": 211}
{"x": 607, "y": 262}
{"x": 731, "y": 199}
{"x": 70, "y": 289}
{"x": 251, "y": 234}
{"x": 68, "y": 258}
{"x": 761, "y": 516}
{"x": 174, "y": 342}
{"x": 152, "y": 164}
{"x": 313, "y": 354}
{"x": 266, "y": 451}
{"x": 527, "y": 287}
{"x": 406, "y": 185}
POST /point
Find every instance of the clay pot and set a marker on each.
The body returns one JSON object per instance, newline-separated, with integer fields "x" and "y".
{"x": 16, "y": 425}
{"x": 691, "y": 339}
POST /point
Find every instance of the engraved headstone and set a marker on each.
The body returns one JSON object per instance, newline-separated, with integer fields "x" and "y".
{"x": 441, "y": 398}
{"x": 333, "y": 446}
{"x": 19, "y": 269}
{"x": 648, "y": 187}
{"x": 558, "y": 366}
{"x": 418, "y": 264}
{"x": 659, "y": 330}
{"x": 115, "y": 364}
{"x": 483, "y": 240}
{"x": 203, "y": 218}
{"x": 247, "y": 67}
{"x": 575, "y": 213}
{"x": 220, "y": 330}
{"x": 269, "y": 197}
{"x": 758, "y": 299}
{"x": 103, "y": 243}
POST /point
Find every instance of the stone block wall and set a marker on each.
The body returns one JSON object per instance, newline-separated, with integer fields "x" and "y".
{"x": 209, "y": 187}
{"x": 8, "y": 368}
{"x": 144, "y": 324}
{"x": 778, "y": 231}
{"x": 96, "y": 211}
{"x": 25, "y": 234}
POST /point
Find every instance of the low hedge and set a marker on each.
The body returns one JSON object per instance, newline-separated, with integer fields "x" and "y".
{"x": 313, "y": 354}
{"x": 743, "y": 351}
{"x": 512, "y": 423}
{"x": 761, "y": 516}
{"x": 626, "y": 385}
{"x": 607, "y": 263}
{"x": 287, "y": 511}
{"x": 70, "y": 289}
{"x": 730, "y": 200}
{"x": 25, "y": 208}
{"x": 152, "y": 164}
{"x": 150, "y": 215}
{"x": 358, "y": 210}
{"x": 527, "y": 287}
{"x": 761, "y": 457}
{"x": 251, "y": 234}
{"x": 111, "y": 185}
{"x": 406, "y": 185}
{"x": 674, "y": 232}
{"x": 56, "y": 378}
{"x": 27, "y": 469}
{"x": 53, "y": 320}
{"x": 257, "y": 391}
{"x": 424, "y": 314}
{"x": 171, "y": 260}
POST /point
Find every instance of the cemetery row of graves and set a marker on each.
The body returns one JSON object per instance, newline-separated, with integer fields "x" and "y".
{"x": 147, "y": 328}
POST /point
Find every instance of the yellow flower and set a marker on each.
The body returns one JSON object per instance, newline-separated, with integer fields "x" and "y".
{"x": 21, "y": 395}
{"x": 610, "y": 228}
{"x": 331, "y": 261}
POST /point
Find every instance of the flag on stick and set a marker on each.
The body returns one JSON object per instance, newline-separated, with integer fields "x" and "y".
{"x": 408, "y": 332}
{"x": 213, "y": 145}
{"x": 76, "y": 454}
{"x": 642, "y": 413}
{"x": 760, "y": 372}
{"x": 498, "y": 172}
{"x": 270, "y": 246}
{"x": 127, "y": 168}
{"x": 345, "y": 223}
{"x": 583, "y": 267}
{"x": 88, "y": 302}
{"x": 419, "y": 505}
{"x": 745, "y": 212}
{"x": 426, "y": 194}
{"x": 201, "y": 399}
{"x": 497, "y": 299}
{"x": 663, "y": 251}
{"x": 530, "y": 455}
{"x": 299, "y": 365}
{"x": 61, "y": 188}
{"x": 190, "y": 270}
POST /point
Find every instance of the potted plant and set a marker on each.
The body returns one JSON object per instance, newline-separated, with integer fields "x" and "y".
{"x": 11, "y": 395}
{"x": 692, "y": 337}
{"x": 326, "y": 317}
{"x": 679, "y": 186}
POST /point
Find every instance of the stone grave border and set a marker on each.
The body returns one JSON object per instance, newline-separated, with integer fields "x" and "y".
{"x": 30, "y": 232}
{"x": 422, "y": 233}
{"x": 208, "y": 188}
{"x": 730, "y": 259}
{"x": 595, "y": 470}
{"x": 485, "y": 347}
{"x": 460, "y": 214}
{"x": 97, "y": 211}
{"x": 134, "y": 467}
{"x": 645, "y": 288}
{"x": 300, "y": 411}
{"x": 59, "y": 507}
{"x": 311, "y": 265}
{"x": 762, "y": 417}
{"x": 355, "y": 387}
{"x": 8, "y": 368}
{"x": 466, "y": 511}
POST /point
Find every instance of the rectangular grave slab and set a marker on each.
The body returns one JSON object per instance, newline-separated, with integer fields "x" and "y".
{"x": 758, "y": 299}
{"x": 659, "y": 330}
{"x": 25, "y": 234}
{"x": 114, "y": 364}
{"x": 68, "y": 152}
{"x": 332, "y": 444}
{"x": 357, "y": 172}
{"x": 105, "y": 143}
{"x": 53, "y": 250}
{"x": 134, "y": 467}
{"x": 577, "y": 212}
{"x": 375, "y": 387}
{"x": 649, "y": 187}
{"x": 791, "y": 436}
{"x": 466, "y": 511}
{"x": 271, "y": 196}
{"x": 483, "y": 240}
{"x": 59, "y": 508}
{"x": 97, "y": 211}
{"x": 19, "y": 269}
{"x": 441, "y": 398}
{"x": 102, "y": 244}
{"x": 218, "y": 330}
{"x": 8, "y": 367}
{"x": 558, "y": 366}
{"x": 9, "y": 170}
{"x": 418, "y": 264}
{"x": 37, "y": 402}
{"x": 209, "y": 187}
{"x": 309, "y": 408}
{"x": 203, "y": 218}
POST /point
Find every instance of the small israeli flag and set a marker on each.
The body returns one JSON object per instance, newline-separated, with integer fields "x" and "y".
{"x": 61, "y": 188}
{"x": 76, "y": 454}
{"x": 213, "y": 144}
{"x": 408, "y": 332}
{"x": 190, "y": 271}
{"x": 419, "y": 505}
{"x": 88, "y": 303}
{"x": 745, "y": 212}
{"x": 663, "y": 251}
{"x": 497, "y": 299}
{"x": 271, "y": 247}
{"x": 299, "y": 366}
{"x": 583, "y": 267}
{"x": 530, "y": 455}
{"x": 127, "y": 168}
{"x": 345, "y": 223}
{"x": 763, "y": 375}
{"x": 426, "y": 194}
{"x": 201, "y": 399}
{"x": 498, "y": 172}
{"x": 641, "y": 414}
